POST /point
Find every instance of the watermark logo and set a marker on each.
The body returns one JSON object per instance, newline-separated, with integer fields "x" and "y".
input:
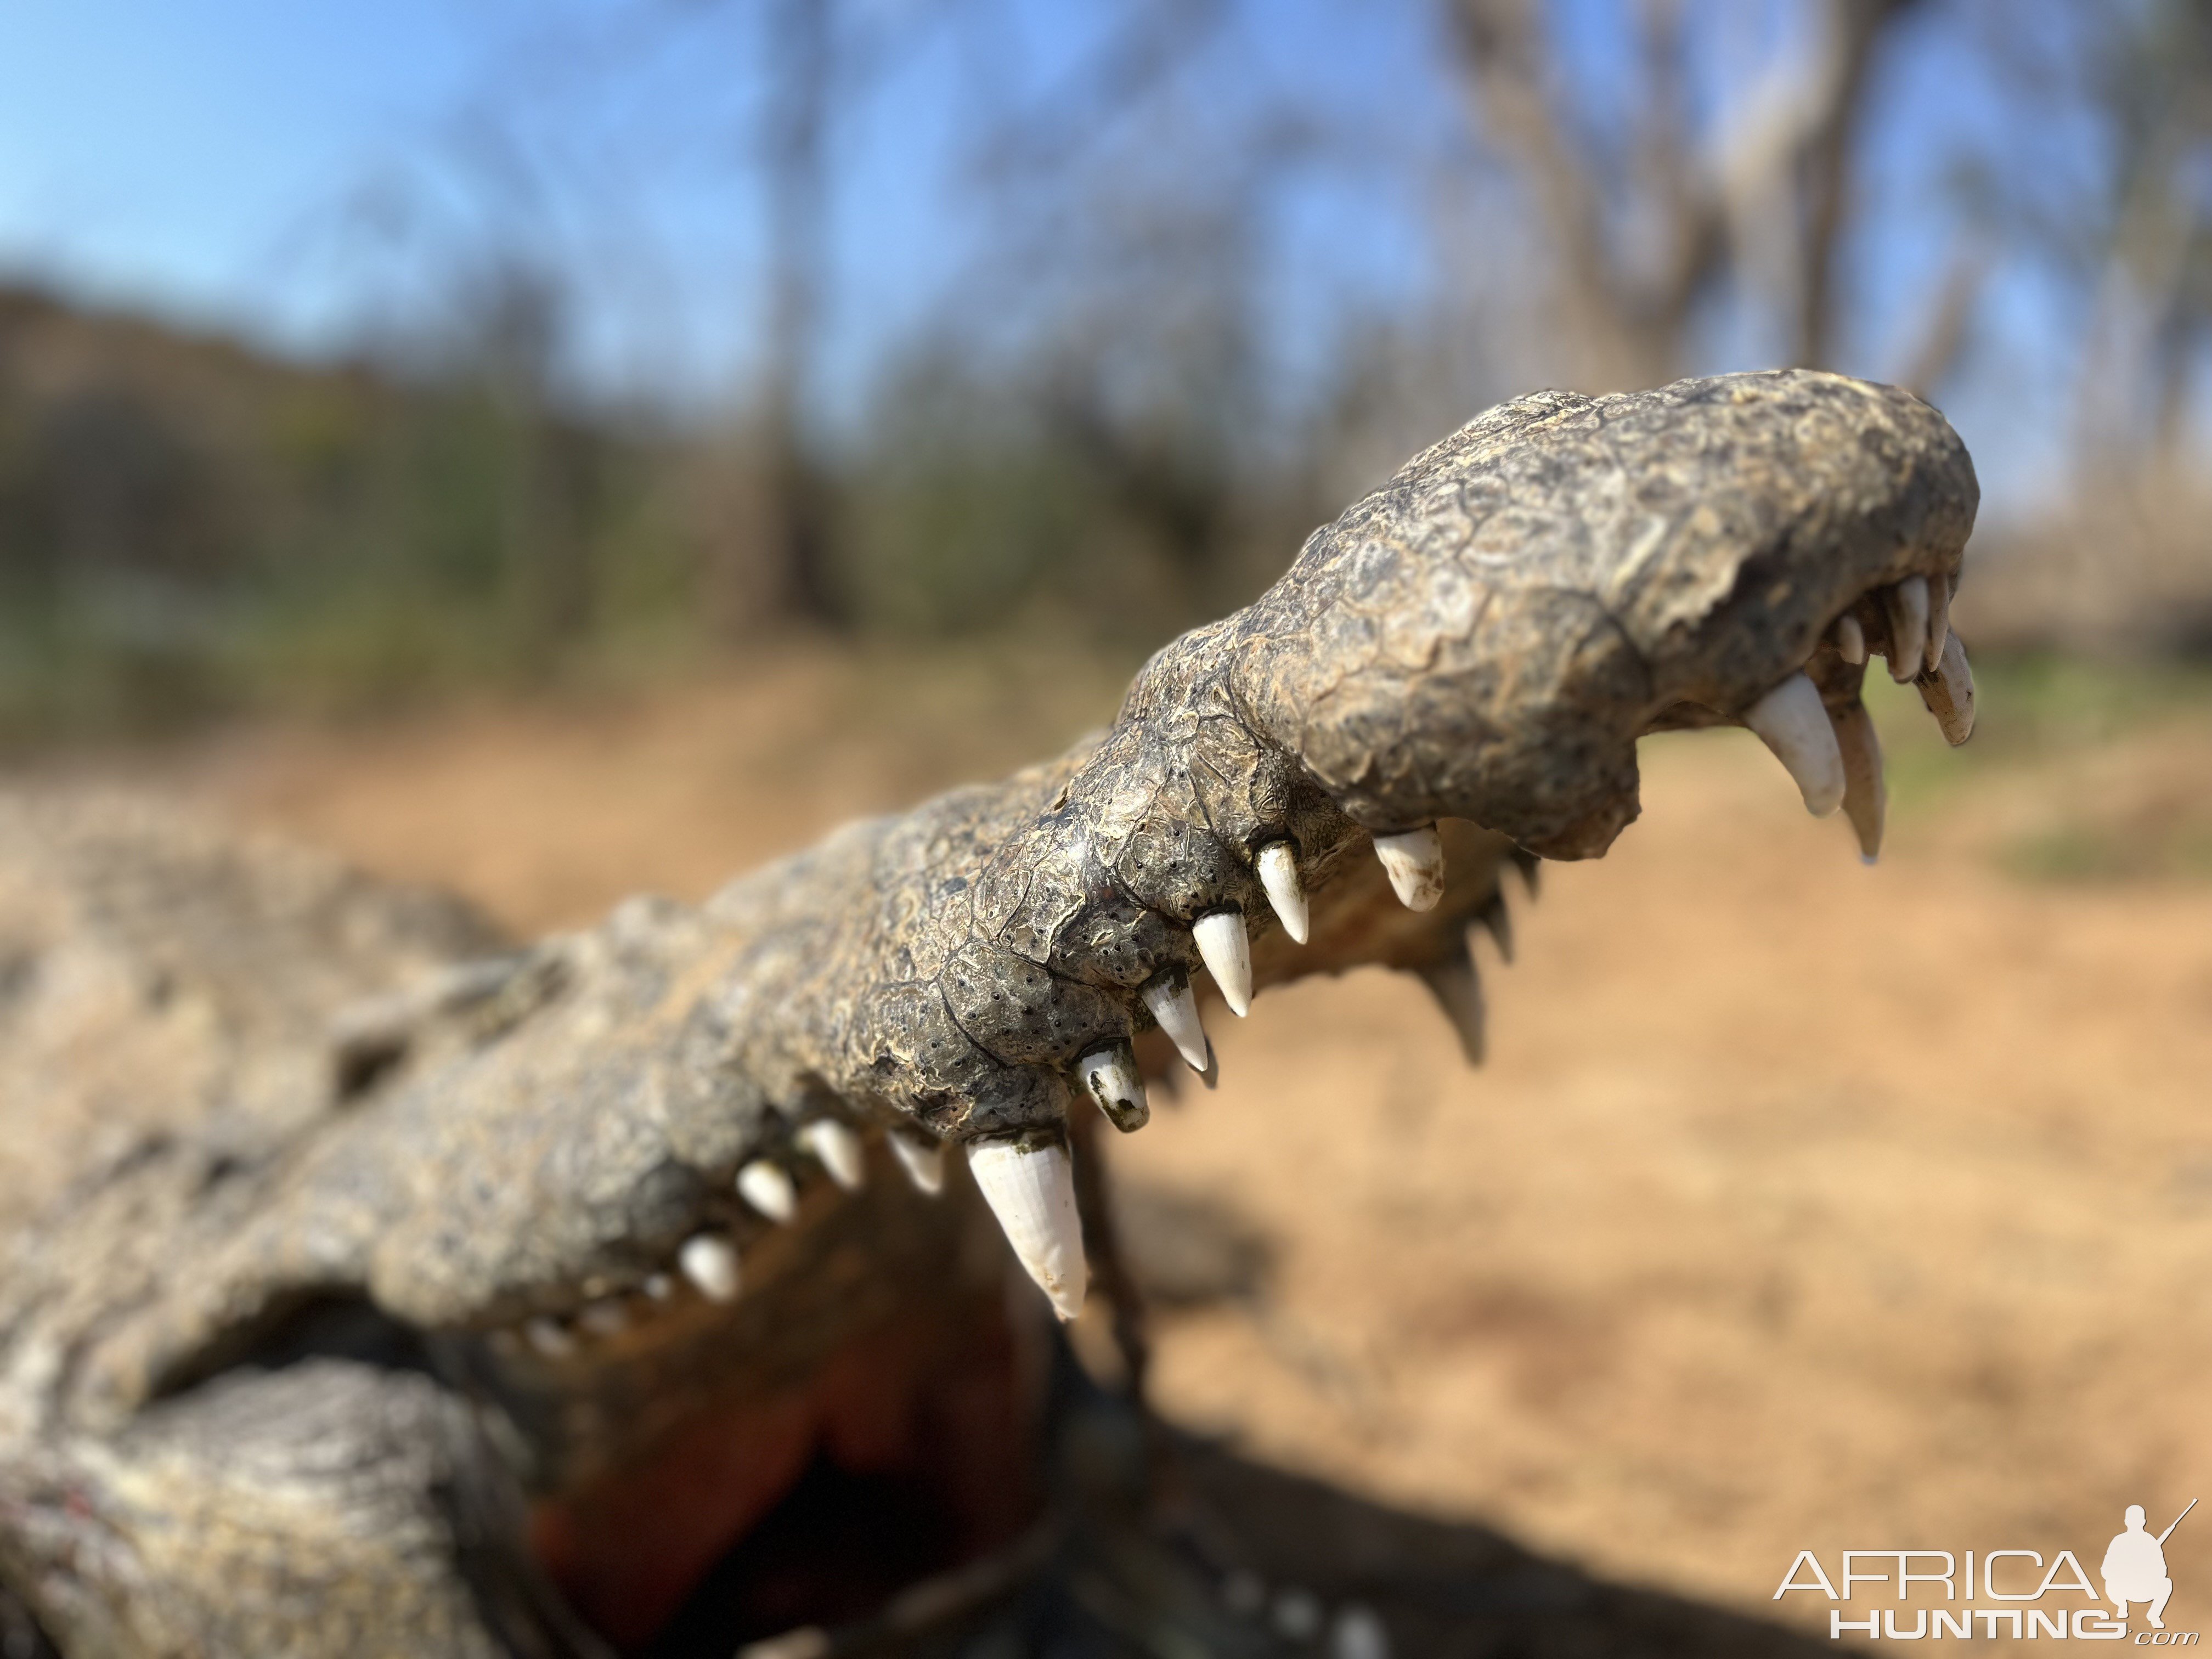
{"x": 2133, "y": 1571}
{"x": 2134, "y": 1567}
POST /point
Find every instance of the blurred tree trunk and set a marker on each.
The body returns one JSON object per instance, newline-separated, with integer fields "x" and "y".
{"x": 796, "y": 517}
{"x": 1820, "y": 153}
{"x": 2136, "y": 567}
{"x": 545, "y": 472}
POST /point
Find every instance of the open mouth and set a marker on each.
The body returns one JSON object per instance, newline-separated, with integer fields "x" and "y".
{"x": 686, "y": 1236}
{"x": 914, "y": 1449}
{"x": 692, "y": 1498}
{"x": 910, "y": 1450}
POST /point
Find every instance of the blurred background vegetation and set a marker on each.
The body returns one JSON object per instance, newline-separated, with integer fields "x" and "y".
{"x": 673, "y": 332}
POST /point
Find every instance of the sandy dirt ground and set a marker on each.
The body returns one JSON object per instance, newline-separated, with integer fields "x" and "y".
{"x": 1801, "y": 1206}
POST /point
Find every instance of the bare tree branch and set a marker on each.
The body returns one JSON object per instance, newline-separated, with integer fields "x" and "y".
{"x": 1773, "y": 198}
{"x": 1511, "y": 75}
{"x": 1042, "y": 140}
{"x": 1693, "y": 242}
{"x": 1851, "y": 29}
{"x": 1950, "y": 319}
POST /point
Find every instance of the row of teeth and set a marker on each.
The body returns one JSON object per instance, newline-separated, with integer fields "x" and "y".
{"x": 1835, "y": 758}
{"x": 1028, "y": 1179}
{"x": 706, "y": 1264}
{"x": 1355, "y": 1632}
{"x": 1028, "y": 1184}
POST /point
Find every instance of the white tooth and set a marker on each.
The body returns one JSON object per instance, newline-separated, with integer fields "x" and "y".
{"x": 1358, "y": 1633}
{"x": 1031, "y": 1188}
{"x": 922, "y": 1157}
{"x": 1244, "y": 1592}
{"x": 1949, "y": 693}
{"x": 607, "y": 1318}
{"x": 1414, "y": 861}
{"x": 1906, "y": 607}
{"x": 1457, "y": 987}
{"x": 1110, "y": 1077}
{"x": 1168, "y": 995}
{"x": 1939, "y": 619}
{"x": 1228, "y": 954}
{"x": 1278, "y": 874}
{"x": 768, "y": 1190}
{"x": 1296, "y": 1614}
{"x": 1791, "y": 720}
{"x": 838, "y": 1150}
{"x": 711, "y": 1265}
{"x": 1499, "y": 919}
{"x": 1850, "y": 639}
{"x": 660, "y": 1287}
{"x": 1866, "y": 795}
{"x": 550, "y": 1337}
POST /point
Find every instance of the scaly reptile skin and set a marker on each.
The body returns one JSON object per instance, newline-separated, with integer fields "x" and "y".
{"x": 342, "y": 1304}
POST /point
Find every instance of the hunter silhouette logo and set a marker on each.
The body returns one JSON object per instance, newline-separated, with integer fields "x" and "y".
{"x": 2135, "y": 1566}
{"x": 2133, "y": 1570}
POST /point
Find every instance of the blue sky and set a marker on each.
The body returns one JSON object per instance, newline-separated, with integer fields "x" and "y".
{"x": 190, "y": 158}
{"x": 198, "y": 160}
{"x": 161, "y": 152}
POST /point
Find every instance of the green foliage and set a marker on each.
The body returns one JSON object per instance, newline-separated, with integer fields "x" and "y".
{"x": 1033, "y": 497}
{"x": 2032, "y": 706}
{"x": 2078, "y": 854}
{"x": 186, "y": 529}
{"x": 957, "y": 527}
{"x": 2047, "y": 713}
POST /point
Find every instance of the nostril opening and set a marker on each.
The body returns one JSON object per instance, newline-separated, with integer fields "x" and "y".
{"x": 358, "y": 1066}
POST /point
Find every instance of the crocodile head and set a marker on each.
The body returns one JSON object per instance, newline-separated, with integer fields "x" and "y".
{"x": 493, "y": 1311}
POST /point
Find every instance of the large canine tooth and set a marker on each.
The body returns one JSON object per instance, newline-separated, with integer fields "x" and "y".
{"x": 1228, "y": 954}
{"x": 768, "y": 1190}
{"x": 550, "y": 1337}
{"x": 1457, "y": 986}
{"x": 1866, "y": 794}
{"x": 1791, "y": 720}
{"x": 1030, "y": 1185}
{"x": 1278, "y": 874}
{"x": 1168, "y": 995}
{"x": 1110, "y": 1077}
{"x": 1414, "y": 861}
{"x": 1850, "y": 639}
{"x": 1499, "y": 919}
{"x": 922, "y": 1158}
{"x": 837, "y": 1149}
{"x": 1939, "y": 620}
{"x": 711, "y": 1265}
{"x": 1948, "y": 691}
{"x": 1906, "y": 607}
